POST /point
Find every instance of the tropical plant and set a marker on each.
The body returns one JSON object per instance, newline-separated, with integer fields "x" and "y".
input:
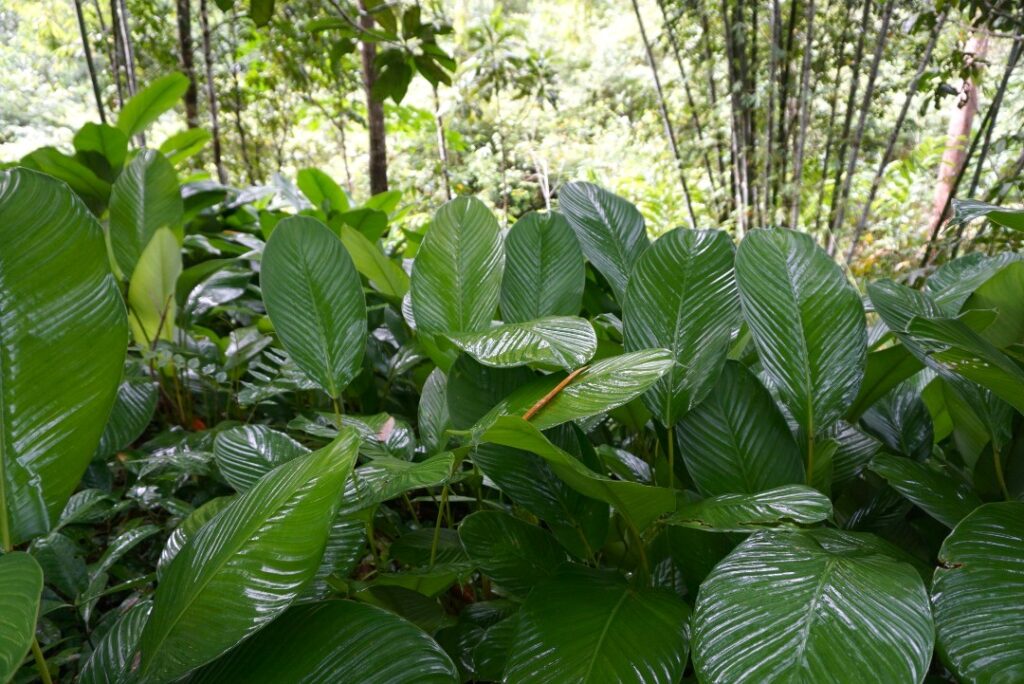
{"x": 245, "y": 439}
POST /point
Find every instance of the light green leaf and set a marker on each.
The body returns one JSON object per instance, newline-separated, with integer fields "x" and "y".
{"x": 101, "y": 146}
{"x": 737, "y": 440}
{"x": 335, "y": 641}
{"x": 1003, "y": 293}
{"x": 184, "y": 144}
{"x": 246, "y": 453}
{"x": 315, "y": 301}
{"x": 456, "y": 278}
{"x": 782, "y": 506}
{"x": 187, "y": 529}
{"x": 385, "y": 478}
{"x": 93, "y": 190}
{"x": 544, "y": 269}
{"x": 682, "y": 297}
{"x": 609, "y": 229}
{"x": 977, "y": 595}
{"x": 151, "y": 289}
{"x": 808, "y": 325}
{"x": 63, "y": 345}
{"x": 512, "y": 552}
{"x": 322, "y": 191}
{"x": 564, "y": 341}
{"x": 589, "y": 627}
{"x": 261, "y": 11}
{"x": 641, "y": 504}
{"x": 383, "y": 273}
{"x": 927, "y": 485}
{"x": 811, "y": 607}
{"x": 244, "y": 567}
{"x": 148, "y": 104}
{"x": 21, "y": 583}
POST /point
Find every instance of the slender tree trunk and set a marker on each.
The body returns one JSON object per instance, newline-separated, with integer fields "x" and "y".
{"x": 442, "y": 146}
{"x": 725, "y": 178}
{"x": 804, "y": 100}
{"x": 186, "y": 56}
{"x": 90, "y": 65}
{"x": 211, "y": 93}
{"x": 890, "y": 146}
{"x": 116, "y": 52}
{"x": 955, "y": 157}
{"x": 736, "y": 128}
{"x": 783, "y": 130}
{"x": 769, "y": 129}
{"x": 666, "y": 119}
{"x": 243, "y": 143}
{"x": 844, "y": 139}
{"x": 127, "y": 47}
{"x": 865, "y": 107}
{"x": 374, "y": 109}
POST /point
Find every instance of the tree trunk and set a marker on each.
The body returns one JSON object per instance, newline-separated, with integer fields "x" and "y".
{"x": 804, "y": 100}
{"x": 90, "y": 65}
{"x": 186, "y": 58}
{"x": 782, "y": 138}
{"x": 374, "y": 110}
{"x": 669, "y": 131}
{"x": 738, "y": 147}
{"x": 115, "y": 52}
{"x": 211, "y": 93}
{"x": 725, "y": 178}
{"x": 442, "y": 146}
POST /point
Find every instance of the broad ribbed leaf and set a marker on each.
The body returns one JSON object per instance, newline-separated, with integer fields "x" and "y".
{"x": 21, "y": 583}
{"x": 682, "y": 297}
{"x": 322, "y": 191}
{"x": 808, "y": 325}
{"x": 564, "y": 341}
{"x": 101, "y": 147}
{"x": 384, "y": 478}
{"x": 387, "y": 276}
{"x": 63, "y": 344}
{"x": 111, "y": 661}
{"x": 544, "y": 269}
{"x": 473, "y": 389}
{"x": 247, "y": 564}
{"x": 512, "y": 552}
{"x": 782, "y": 506}
{"x": 587, "y": 627}
{"x": 937, "y": 492}
{"x": 315, "y": 301}
{"x": 600, "y": 387}
{"x": 953, "y": 283}
{"x": 133, "y": 409}
{"x": 978, "y": 595}
{"x": 246, "y": 453}
{"x": 609, "y": 229}
{"x": 188, "y": 528}
{"x": 148, "y": 104}
{"x": 456, "y": 278}
{"x": 737, "y": 440}
{"x": 335, "y": 641}
{"x": 1003, "y": 293}
{"x": 145, "y": 198}
{"x": 811, "y": 607}
{"x": 151, "y": 290}
{"x": 901, "y": 421}
{"x": 639, "y": 503}
{"x": 432, "y": 418}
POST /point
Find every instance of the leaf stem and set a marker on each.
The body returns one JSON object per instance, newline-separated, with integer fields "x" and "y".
{"x": 44, "y": 670}
{"x": 1000, "y": 477}
{"x": 437, "y": 525}
{"x": 671, "y": 459}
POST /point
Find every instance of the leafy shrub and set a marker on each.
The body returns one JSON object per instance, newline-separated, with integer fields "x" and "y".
{"x": 317, "y": 461}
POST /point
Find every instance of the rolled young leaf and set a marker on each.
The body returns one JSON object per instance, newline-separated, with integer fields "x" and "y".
{"x": 978, "y": 594}
{"x": 315, "y": 301}
{"x": 588, "y": 627}
{"x": 335, "y": 641}
{"x": 544, "y": 269}
{"x": 21, "y": 583}
{"x": 564, "y": 341}
{"x": 682, "y": 297}
{"x": 64, "y": 338}
{"x": 245, "y": 566}
{"x": 811, "y": 606}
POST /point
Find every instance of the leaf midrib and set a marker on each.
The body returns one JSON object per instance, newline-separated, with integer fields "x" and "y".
{"x": 604, "y": 634}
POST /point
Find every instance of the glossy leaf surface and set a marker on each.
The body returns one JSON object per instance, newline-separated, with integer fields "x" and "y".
{"x": 789, "y": 505}
{"x": 512, "y": 552}
{"x": 246, "y": 453}
{"x": 544, "y": 269}
{"x": 564, "y": 341}
{"x": 151, "y": 290}
{"x": 935, "y": 491}
{"x": 21, "y": 583}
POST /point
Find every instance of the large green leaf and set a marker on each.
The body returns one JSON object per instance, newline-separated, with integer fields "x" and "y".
{"x": 564, "y": 341}
{"x": 544, "y": 269}
{"x": 145, "y": 198}
{"x": 322, "y": 191}
{"x": 382, "y": 272}
{"x": 600, "y": 387}
{"x": 384, "y": 478}
{"x": 247, "y": 564}
{"x": 473, "y": 389}
{"x": 1003, "y": 293}
{"x": 610, "y": 230}
{"x": 737, "y": 440}
{"x": 512, "y": 552}
{"x": 808, "y": 325}
{"x": 782, "y": 506}
{"x": 638, "y": 503}
{"x": 335, "y": 641}
{"x": 246, "y": 453}
{"x": 811, "y": 607}
{"x": 111, "y": 661}
{"x": 682, "y": 297}
{"x": 315, "y": 301}
{"x": 93, "y": 190}
{"x": 456, "y": 278}
{"x": 586, "y": 626}
{"x": 151, "y": 290}
{"x": 937, "y": 492}
{"x": 101, "y": 147}
{"x": 152, "y": 101}
{"x": 63, "y": 345}
{"x": 978, "y": 595}
{"x": 432, "y": 417}
{"x": 21, "y": 583}
{"x": 133, "y": 409}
